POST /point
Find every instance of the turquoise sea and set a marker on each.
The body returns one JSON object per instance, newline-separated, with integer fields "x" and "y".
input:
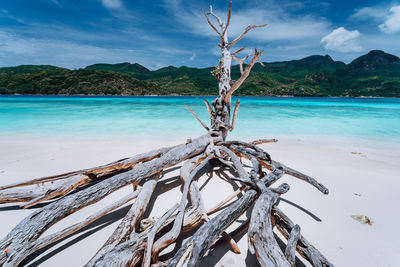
{"x": 165, "y": 116}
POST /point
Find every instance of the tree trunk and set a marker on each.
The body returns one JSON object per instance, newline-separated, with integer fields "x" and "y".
{"x": 133, "y": 242}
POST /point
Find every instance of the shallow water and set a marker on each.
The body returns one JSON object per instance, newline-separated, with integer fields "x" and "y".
{"x": 164, "y": 116}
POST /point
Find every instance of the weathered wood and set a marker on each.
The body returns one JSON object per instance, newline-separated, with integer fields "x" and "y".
{"x": 129, "y": 223}
{"x": 296, "y": 174}
{"x": 17, "y": 257}
{"x": 261, "y": 237}
{"x": 195, "y": 213}
{"x": 130, "y": 252}
{"x": 305, "y": 248}
{"x": 226, "y": 200}
{"x": 248, "y": 28}
{"x": 152, "y": 234}
{"x": 290, "y": 251}
{"x": 241, "y": 228}
{"x": 209, "y": 109}
{"x": 235, "y": 111}
{"x": 198, "y": 244}
{"x": 265, "y": 161}
{"x": 243, "y": 175}
{"x": 173, "y": 234}
{"x": 40, "y": 220}
{"x": 132, "y": 244}
{"x": 245, "y": 74}
{"x": 263, "y": 141}
{"x": 59, "y": 185}
{"x": 132, "y": 249}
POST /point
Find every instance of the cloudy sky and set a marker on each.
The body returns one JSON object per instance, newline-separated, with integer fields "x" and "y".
{"x": 77, "y": 33}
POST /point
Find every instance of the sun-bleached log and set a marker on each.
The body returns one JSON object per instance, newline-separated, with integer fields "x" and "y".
{"x": 196, "y": 246}
{"x": 59, "y": 185}
{"x": 132, "y": 248}
{"x": 296, "y": 174}
{"x": 305, "y": 248}
{"x": 195, "y": 212}
{"x": 226, "y": 200}
{"x": 260, "y": 235}
{"x": 173, "y": 234}
{"x": 241, "y": 228}
{"x": 130, "y": 252}
{"x": 265, "y": 161}
{"x": 40, "y": 220}
{"x": 152, "y": 234}
{"x": 290, "y": 251}
{"x": 18, "y": 256}
{"x": 129, "y": 223}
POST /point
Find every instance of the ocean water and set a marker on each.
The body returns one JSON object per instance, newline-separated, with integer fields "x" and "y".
{"x": 166, "y": 116}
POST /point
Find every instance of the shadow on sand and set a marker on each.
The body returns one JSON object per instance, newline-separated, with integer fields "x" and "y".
{"x": 211, "y": 259}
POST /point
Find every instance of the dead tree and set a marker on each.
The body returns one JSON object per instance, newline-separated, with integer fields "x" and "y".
{"x": 131, "y": 244}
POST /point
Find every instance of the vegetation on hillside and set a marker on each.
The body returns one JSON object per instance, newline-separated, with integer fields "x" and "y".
{"x": 374, "y": 74}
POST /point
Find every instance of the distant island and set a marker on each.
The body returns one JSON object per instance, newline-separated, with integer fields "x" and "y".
{"x": 376, "y": 74}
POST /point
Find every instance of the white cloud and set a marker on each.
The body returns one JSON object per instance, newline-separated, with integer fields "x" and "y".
{"x": 387, "y": 15}
{"x": 17, "y": 50}
{"x": 282, "y": 26}
{"x": 113, "y": 4}
{"x": 392, "y": 23}
{"x": 342, "y": 40}
{"x": 192, "y": 57}
{"x": 366, "y": 13}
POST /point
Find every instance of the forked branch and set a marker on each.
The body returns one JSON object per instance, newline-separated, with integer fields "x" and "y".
{"x": 248, "y": 28}
{"x": 245, "y": 74}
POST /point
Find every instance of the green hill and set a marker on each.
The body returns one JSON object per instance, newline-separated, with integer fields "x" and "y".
{"x": 71, "y": 82}
{"x": 374, "y": 74}
{"x": 135, "y": 70}
{"x": 28, "y": 69}
{"x": 373, "y": 60}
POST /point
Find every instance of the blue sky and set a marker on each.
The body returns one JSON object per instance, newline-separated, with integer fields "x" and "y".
{"x": 77, "y": 33}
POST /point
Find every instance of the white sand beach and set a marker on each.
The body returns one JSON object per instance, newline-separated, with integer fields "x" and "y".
{"x": 362, "y": 183}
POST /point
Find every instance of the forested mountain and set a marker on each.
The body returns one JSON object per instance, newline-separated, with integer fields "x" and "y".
{"x": 374, "y": 74}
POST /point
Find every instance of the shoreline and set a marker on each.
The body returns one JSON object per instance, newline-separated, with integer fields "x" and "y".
{"x": 236, "y": 96}
{"x": 339, "y": 237}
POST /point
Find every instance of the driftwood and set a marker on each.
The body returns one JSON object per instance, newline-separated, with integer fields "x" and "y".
{"x": 140, "y": 241}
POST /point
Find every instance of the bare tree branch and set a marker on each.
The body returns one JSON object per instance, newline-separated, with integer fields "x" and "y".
{"x": 238, "y": 51}
{"x": 212, "y": 26}
{"x": 235, "y": 114}
{"x": 245, "y": 74}
{"x": 229, "y": 18}
{"x": 198, "y": 118}
{"x": 209, "y": 109}
{"x": 241, "y": 61}
{"x": 221, "y": 25}
{"x": 219, "y": 20}
{"x": 248, "y": 28}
